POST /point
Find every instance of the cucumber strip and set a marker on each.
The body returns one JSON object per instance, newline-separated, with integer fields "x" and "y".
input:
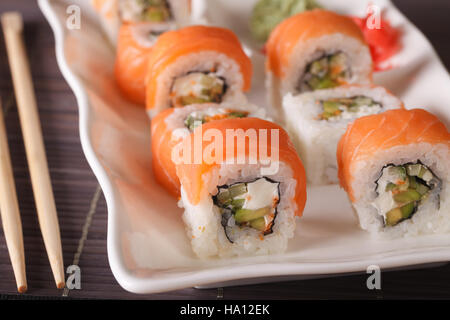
{"x": 327, "y": 115}
{"x": 155, "y": 15}
{"x": 396, "y": 215}
{"x": 407, "y": 210}
{"x": 187, "y": 100}
{"x": 326, "y": 83}
{"x": 237, "y": 190}
{"x": 393, "y": 217}
{"x": 238, "y": 114}
{"x": 422, "y": 189}
{"x": 407, "y": 196}
{"x": 227, "y": 203}
{"x": 330, "y": 106}
{"x": 390, "y": 186}
{"x": 413, "y": 182}
{"x": 237, "y": 203}
{"x": 245, "y": 215}
{"x": 258, "y": 224}
{"x": 314, "y": 82}
{"x": 223, "y": 196}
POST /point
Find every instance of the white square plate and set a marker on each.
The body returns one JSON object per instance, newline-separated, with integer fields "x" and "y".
{"x": 147, "y": 246}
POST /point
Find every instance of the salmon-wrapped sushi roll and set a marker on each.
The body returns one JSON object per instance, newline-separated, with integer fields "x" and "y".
{"x": 318, "y": 119}
{"x": 313, "y": 50}
{"x": 171, "y": 125}
{"x": 113, "y": 13}
{"x": 395, "y": 167}
{"x": 197, "y": 64}
{"x": 134, "y": 44}
{"x": 238, "y": 208}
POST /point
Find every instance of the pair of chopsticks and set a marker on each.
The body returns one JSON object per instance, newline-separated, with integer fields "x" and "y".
{"x": 37, "y": 161}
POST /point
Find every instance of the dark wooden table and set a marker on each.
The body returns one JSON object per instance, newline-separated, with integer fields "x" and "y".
{"x": 82, "y": 208}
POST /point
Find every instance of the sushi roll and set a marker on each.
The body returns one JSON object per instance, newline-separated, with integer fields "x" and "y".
{"x": 197, "y": 64}
{"x": 113, "y": 13}
{"x": 134, "y": 44}
{"x": 318, "y": 119}
{"x": 395, "y": 167}
{"x": 235, "y": 208}
{"x": 313, "y": 50}
{"x": 171, "y": 125}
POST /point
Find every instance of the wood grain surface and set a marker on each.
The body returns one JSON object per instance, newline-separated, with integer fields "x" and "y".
{"x": 79, "y": 197}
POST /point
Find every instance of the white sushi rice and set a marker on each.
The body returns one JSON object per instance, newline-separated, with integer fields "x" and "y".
{"x": 306, "y": 52}
{"x": 315, "y": 139}
{"x": 202, "y": 61}
{"x": 432, "y": 216}
{"x": 203, "y": 221}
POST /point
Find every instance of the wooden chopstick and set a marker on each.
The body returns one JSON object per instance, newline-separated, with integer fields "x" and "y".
{"x": 34, "y": 145}
{"x": 12, "y": 225}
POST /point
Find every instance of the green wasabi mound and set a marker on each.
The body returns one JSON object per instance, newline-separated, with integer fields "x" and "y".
{"x": 267, "y": 14}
